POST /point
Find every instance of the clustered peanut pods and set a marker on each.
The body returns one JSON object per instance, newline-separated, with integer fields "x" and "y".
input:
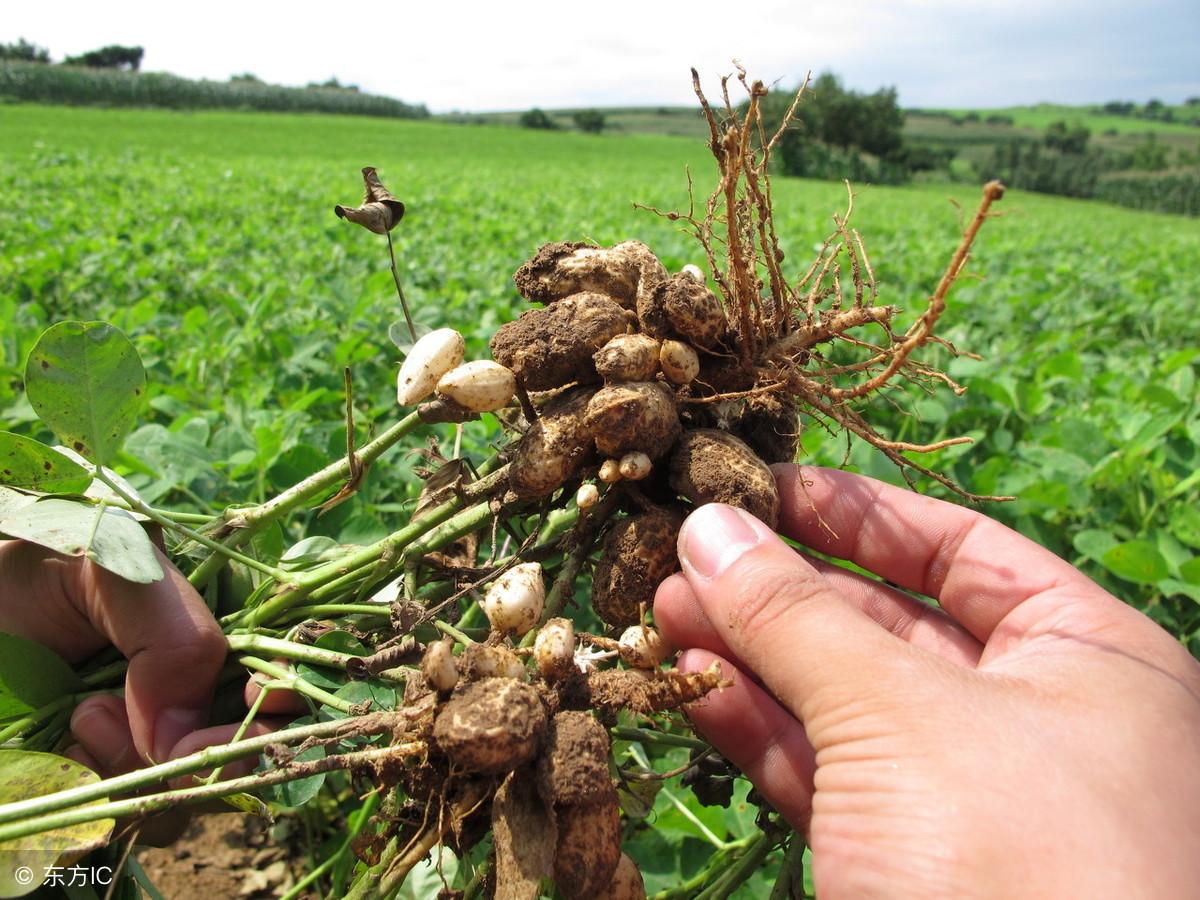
{"x": 624, "y": 358}
{"x": 640, "y": 394}
{"x": 611, "y": 389}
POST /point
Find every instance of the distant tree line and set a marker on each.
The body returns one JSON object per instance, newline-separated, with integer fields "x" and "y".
{"x": 589, "y": 121}
{"x": 23, "y": 51}
{"x": 114, "y": 56}
{"x": 840, "y": 133}
{"x": 1064, "y": 162}
{"x": 1153, "y": 110}
{"x": 114, "y": 79}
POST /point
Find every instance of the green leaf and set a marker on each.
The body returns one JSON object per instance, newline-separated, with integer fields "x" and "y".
{"x": 1094, "y": 542}
{"x": 1137, "y": 561}
{"x": 298, "y": 792}
{"x": 86, "y": 381}
{"x": 1185, "y": 524}
{"x": 109, "y": 537}
{"x": 310, "y": 552}
{"x": 1148, "y": 435}
{"x": 11, "y": 500}
{"x": 1170, "y": 588}
{"x": 323, "y": 676}
{"x": 31, "y": 676}
{"x": 250, "y": 804}
{"x": 377, "y": 694}
{"x": 1190, "y": 571}
{"x": 24, "y": 774}
{"x": 26, "y": 463}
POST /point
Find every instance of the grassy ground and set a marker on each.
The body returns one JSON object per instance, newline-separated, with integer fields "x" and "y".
{"x": 210, "y": 238}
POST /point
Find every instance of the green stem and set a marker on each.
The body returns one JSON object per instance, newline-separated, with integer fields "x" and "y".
{"x": 790, "y": 882}
{"x": 691, "y": 817}
{"x": 737, "y": 873}
{"x": 44, "y": 713}
{"x": 688, "y": 889}
{"x": 207, "y": 758}
{"x": 294, "y": 682}
{"x": 476, "y": 882}
{"x": 366, "y": 887}
{"x": 307, "y": 582}
{"x": 152, "y": 514}
{"x": 306, "y": 653}
{"x": 400, "y": 290}
{"x": 340, "y": 609}
{"x": 105, "y": 673}
{"x": 247, "y": 523}
{"x": 175, "y": 516}
{"x": 447, "y": 628}
{"x": 152, "y": 803}
{"x": 364, "y": 815}
{"x": 251, "y": 713}
{"x": 646, "y": 736}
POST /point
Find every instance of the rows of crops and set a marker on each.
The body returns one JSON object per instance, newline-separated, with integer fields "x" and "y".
{"x": 210, "y": 239}
{"x": 36, "y": 82}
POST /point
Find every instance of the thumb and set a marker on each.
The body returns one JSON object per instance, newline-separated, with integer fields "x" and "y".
{"x": 813, "y": 650}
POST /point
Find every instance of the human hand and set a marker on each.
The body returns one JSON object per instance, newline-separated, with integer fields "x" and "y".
{"x": 174, "y": 647}
{"x": 1033, "y": 736}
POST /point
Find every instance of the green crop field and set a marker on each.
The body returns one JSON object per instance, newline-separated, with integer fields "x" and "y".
{"x": 210, "y": 239}
{"x": 1041, "y": 115}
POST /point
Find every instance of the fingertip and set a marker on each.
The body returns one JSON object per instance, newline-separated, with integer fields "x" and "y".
{"x": 750, "y": 728}
{"x": 681, "y": 618}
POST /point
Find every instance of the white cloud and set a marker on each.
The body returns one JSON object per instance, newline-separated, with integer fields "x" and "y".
{"x": 469, "y": 55}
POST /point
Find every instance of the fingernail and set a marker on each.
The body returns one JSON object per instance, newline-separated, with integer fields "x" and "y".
{"x": 714, "y": 536}
{"x": 171, "y": 726}
{"x": 105, "y": 737}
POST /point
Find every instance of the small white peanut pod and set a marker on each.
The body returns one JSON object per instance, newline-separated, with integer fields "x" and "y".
{"x": 480, "y": 385}
{"x": 693, "y": 271}
{"x": 642, "y": 647}
{"x": 430, "y": 358}
{"x": 496, "y": 662}
{"x": 679, "y": 362}
{"x": 554, "y": 649}
{"x": 438, "y": 666}
{"x": 514, "y": 601}
{"x": 635, "y": 466}
{"x": 587, "y": 496}
{"x": 610, "y": 471}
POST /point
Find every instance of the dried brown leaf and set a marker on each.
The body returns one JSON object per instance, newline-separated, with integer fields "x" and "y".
{"x": 379, "y": 212}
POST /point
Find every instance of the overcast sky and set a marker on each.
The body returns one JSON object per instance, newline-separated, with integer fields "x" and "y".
{"x": 513, "y": 55}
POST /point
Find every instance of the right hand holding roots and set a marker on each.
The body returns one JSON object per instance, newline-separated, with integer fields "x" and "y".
{"x": 1033, "y": 734}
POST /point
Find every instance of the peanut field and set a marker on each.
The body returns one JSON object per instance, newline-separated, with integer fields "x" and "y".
{"x": 210, "y": 239}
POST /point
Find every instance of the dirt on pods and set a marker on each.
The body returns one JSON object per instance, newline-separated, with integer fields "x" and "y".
{"x": 713, "y": 466}
{"x": 553, "y": 346}
{"x": 638, "y": 554}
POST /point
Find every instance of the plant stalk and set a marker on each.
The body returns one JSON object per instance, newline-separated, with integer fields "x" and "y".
{"x": 152, "y": 803}
{"x": 155, "y": 516}
{"x": 307, "y": 582}
{"x": 209, "y": 757}
{"x": 246, "y": 523}
{"x": 364, "y": 814}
